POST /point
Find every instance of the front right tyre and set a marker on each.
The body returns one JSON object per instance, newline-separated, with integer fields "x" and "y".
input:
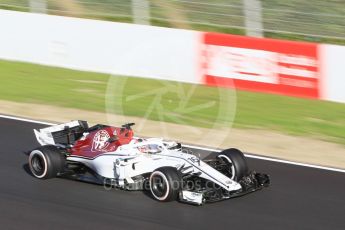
{"x": 46, "y": 162}
{"x": 165, "y": 184}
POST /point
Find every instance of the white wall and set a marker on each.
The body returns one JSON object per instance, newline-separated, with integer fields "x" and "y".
{"x": 332, "y": 72}
{"x": 99, "y": 46}
{"x": 128, "y": 49}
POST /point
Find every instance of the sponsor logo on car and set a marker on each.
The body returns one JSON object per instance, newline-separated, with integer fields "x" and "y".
{"x": 100, "y": 141}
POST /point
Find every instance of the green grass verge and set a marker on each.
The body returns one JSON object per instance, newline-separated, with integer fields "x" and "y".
{"x": 22, "y": 82}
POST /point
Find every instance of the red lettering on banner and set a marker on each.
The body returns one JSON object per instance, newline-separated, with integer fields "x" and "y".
{"x": 262, "y": 65}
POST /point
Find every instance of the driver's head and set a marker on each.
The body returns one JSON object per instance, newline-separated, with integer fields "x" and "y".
{"x": 115, "y": 136}
{"x": 143, "y": 149}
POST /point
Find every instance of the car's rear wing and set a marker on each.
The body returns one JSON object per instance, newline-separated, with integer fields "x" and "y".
{"x": 64, "y": 134}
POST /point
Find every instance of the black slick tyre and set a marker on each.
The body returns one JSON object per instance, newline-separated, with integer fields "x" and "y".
{"x": 238, "y": 167}
{"x": 46, "y": 162}
{"x": 165, "y": 184}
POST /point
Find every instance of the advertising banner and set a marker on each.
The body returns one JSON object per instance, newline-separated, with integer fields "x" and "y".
{"x": 261, "y": 65}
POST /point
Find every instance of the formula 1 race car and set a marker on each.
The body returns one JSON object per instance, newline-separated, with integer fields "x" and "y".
{"x": 112, "y": 156}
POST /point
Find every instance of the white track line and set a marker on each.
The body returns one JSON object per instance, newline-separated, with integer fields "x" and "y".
{"x": 274, "y": 160}
{"x": 296, "y": 163}
{"x": 206, "y": 149}
{"x": 26, "y": 120}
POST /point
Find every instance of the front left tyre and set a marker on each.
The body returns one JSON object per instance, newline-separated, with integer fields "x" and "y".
{"x": 165, "y": 184}
{"x": 46, "y": 162}
{"x": 236, "y": 162}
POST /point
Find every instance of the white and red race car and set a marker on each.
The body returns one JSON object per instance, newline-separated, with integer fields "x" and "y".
{"x": 113, "y": 156}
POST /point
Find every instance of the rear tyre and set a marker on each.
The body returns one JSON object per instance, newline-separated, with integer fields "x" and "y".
{"x": 46, "y": 162}
{"x": 236, "y": 161}
{"x": 165, "y": 184}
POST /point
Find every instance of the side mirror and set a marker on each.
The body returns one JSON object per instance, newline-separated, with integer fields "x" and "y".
{"x": 112, "y": 139}
{"x": 128, "y": 125}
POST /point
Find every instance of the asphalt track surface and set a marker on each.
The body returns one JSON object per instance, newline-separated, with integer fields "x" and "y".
{"x": 299, "y": 198}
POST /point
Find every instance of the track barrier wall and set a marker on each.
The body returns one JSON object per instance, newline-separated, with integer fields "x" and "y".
{"x": 300, "y": 69}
